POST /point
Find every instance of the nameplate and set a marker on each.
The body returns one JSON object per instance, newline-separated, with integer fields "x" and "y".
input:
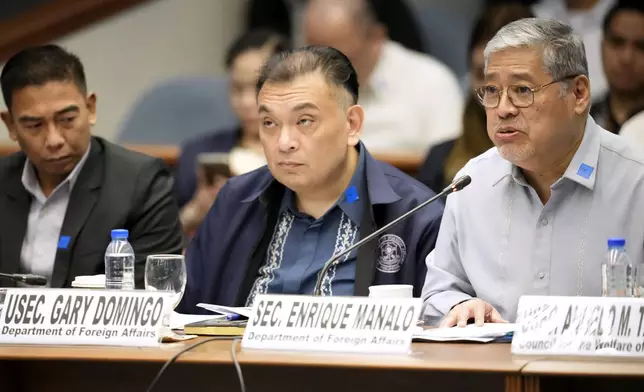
{"x": 83, "y": 317}
{"x": 342, "y": 324}
{"x": 580, "y": 326}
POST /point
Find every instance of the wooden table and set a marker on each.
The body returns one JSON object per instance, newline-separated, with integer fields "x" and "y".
{"x": 574, "y": 374}
{"x": 431, "y": 366}
{"x": 449, "y": 367}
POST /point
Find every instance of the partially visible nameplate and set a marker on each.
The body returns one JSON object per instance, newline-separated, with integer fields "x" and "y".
{"x": 351, "y": 324}
{"x": 83, "y": 317}
{"x": 584, "y": 326}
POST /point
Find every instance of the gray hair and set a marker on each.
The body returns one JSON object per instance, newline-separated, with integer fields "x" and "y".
{"x": 563, "y": 51}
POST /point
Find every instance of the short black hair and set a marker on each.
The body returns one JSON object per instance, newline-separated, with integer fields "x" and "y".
{"x": 622, "y": 5}
{"x": 256, "y": 39}
{"x": 333, "y": 64}
{"x": 39, "y": 65}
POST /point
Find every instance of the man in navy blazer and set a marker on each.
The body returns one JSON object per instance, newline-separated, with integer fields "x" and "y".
{"x": 272, "y": 230}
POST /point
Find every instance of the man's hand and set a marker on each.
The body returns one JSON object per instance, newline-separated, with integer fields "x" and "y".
{"x": 479, "y": 310}
{"x": 194, "y": 212}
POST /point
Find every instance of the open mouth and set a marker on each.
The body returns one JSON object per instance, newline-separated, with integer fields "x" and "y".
{"x": 58, "y": 161}
{"x": 507, "y": 133}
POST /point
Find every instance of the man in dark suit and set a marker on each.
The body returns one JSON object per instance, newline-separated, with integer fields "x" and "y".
{"x": 65, "y": 191}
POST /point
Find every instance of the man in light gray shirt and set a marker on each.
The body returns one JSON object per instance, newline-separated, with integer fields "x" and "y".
{"x": 542, "y": 204}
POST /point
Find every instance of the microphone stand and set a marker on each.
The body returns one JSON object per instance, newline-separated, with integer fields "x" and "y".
{"x": 457, "y": 185}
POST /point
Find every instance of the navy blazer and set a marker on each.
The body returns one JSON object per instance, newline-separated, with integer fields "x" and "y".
{"x": 229, "y": 248}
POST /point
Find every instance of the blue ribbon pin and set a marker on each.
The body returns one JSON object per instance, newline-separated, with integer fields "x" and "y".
{"x": 351, "y": 194}
{"x": 585, "y": 171}
{"x": 63, "y": 242}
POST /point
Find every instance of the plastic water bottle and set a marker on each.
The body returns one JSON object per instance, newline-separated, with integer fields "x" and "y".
{"x": 619, "y": 275}
{"x": 119, "y": 262}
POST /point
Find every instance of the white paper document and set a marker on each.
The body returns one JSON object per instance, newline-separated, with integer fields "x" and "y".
{"x": 226, "y": 310}
{"x": 486, "y": 333}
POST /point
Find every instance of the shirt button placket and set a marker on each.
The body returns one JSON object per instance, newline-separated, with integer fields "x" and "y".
{"x": 541, "y": 257}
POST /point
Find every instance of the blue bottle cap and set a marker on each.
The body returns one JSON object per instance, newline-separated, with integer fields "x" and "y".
{"x": 616, "y": 242}
{"x": 119, "y": 234}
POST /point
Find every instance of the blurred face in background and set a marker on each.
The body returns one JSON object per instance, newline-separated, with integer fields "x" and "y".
{"x": 52, "y": 124}
{"x": 623, "y": 53}
{"x": 243, "y": 75}
{"x": 307, "y": 128}
{"x": 331, "y": 23}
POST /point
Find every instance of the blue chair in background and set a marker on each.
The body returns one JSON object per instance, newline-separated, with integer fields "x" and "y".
{"x": 178, "y": 109}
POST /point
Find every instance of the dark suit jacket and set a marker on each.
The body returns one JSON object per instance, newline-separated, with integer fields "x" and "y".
{"x": 431, "y": 171}
{"x": 116, "y": 189}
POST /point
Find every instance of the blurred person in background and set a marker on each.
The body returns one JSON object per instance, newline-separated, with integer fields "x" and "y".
{"x": 633, "y": 130}
{"x": 623, "y": 58}
{"x": 284, "y": 16}
{"x": 412, "y": 101}
{"x": 196, "y": 190}
{"x": 446, "y": 159}
{"x": 586, "y": 17}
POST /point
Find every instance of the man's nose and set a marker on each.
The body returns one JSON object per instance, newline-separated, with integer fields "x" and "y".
{"x": 287, "y": 140}
{"x": 506, "y": 108}
{"x": 55, "y": 138}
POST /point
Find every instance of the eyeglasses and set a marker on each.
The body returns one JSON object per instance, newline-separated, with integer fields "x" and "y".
{"x": 521, "y": 96}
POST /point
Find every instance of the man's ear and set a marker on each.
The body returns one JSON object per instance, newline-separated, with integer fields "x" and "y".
{"x": 91, "y": 107}
{"x": 8, "y": 122}
{"x": 355, "y": 118}
{"x": 581, "y": 90}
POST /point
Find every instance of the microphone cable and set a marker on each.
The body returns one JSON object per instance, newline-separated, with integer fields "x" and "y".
{"x": 233, "y": 354}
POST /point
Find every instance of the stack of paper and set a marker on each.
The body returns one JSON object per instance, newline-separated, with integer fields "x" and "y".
{"x": 89, "y": 282}
{"x": 226, "y": 310}
{"x": 486, "y": 333}
{"x": 178, "y": 320}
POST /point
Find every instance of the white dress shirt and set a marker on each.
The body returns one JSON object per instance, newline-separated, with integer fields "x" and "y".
{"x": 45, "y": 220}
{"x": 412, "y": 102}
{"x": 498, "y": 241}
{"x": 588, "y": 24}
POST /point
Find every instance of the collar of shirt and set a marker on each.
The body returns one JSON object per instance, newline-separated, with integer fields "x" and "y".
{"x": 582, "y": 168}
{"x": 31, "y": 184}
{"x": 352, "y": 200}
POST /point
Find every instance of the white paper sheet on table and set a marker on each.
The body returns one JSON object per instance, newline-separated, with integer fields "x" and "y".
{"x": 89, "y": 281}
{"x": 483, "y": 334}
{"x": 178, "y": 320}
{"x": 242, "y": 311}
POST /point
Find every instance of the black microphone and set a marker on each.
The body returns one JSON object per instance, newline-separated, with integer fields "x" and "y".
{"x": 455, "y": 186}
{"x": 30, "y": 279}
